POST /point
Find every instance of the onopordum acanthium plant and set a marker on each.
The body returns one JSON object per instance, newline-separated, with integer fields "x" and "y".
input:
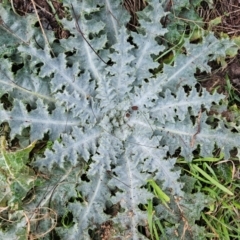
{"x": 115, "y": 126}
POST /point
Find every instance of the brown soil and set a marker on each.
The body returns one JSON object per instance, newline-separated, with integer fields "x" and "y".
{"x": 228, "y": 11}
{"x": 48, "y": 14}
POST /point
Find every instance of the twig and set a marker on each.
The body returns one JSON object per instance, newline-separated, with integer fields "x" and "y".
{"x": 111, "y": 174}
{"x": 44, "y": 35}
{"x": 13, "y": 8}
{"x": 80, "y": 31}
{"x": 198, "y": 128}
{"x": 6, "y": 28}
